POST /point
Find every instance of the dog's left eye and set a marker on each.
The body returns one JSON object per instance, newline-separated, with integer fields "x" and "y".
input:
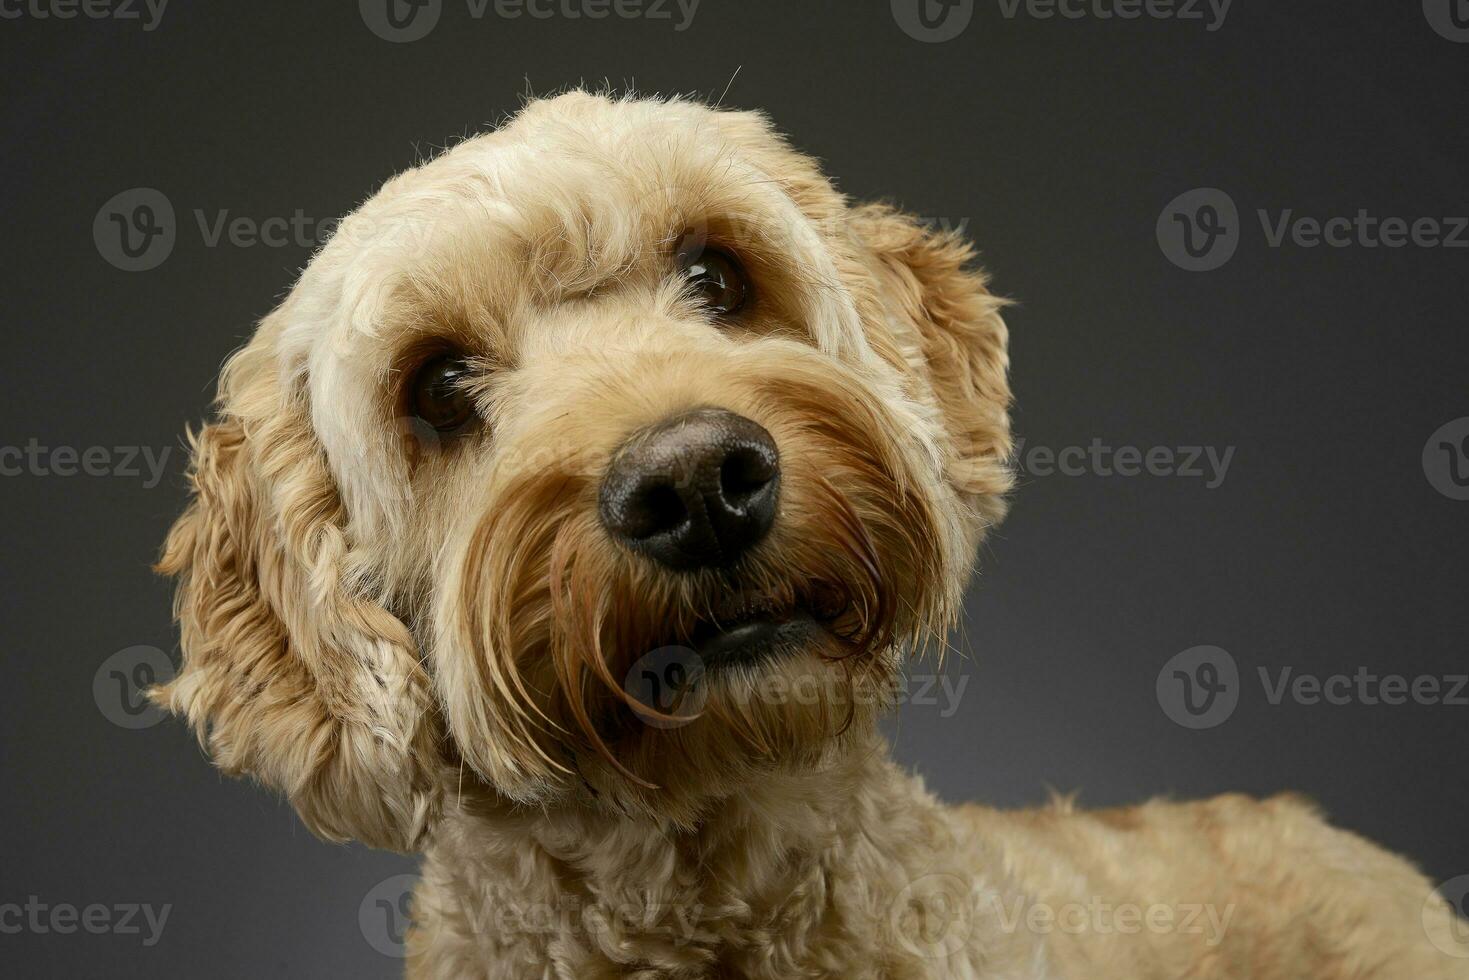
{"x": 716, "y": 278}
{"x": 438, "y": 394}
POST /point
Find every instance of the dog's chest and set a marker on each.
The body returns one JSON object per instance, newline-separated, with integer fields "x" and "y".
{"x": 768, "y": 904}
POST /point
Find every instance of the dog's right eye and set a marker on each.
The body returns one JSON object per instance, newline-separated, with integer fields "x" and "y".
{"x": 438, "y": 393}
{"x": 717, "y": 278}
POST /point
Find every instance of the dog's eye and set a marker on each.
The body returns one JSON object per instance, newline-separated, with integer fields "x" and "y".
{"x": 438, "y": 394}
{"x": 716, "y": 278}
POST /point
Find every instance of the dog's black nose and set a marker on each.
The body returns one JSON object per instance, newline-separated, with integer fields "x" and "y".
{"x": 694, "y": 491}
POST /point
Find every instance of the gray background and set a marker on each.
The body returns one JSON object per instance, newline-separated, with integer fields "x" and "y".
{"x": 1060, "y": 142}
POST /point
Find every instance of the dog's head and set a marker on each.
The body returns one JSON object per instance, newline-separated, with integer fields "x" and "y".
{"x": 612, "y": 453}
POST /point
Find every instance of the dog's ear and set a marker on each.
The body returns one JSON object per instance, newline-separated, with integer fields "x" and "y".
{"x": 289, "y": 672}
{"x": 946, "y": 328}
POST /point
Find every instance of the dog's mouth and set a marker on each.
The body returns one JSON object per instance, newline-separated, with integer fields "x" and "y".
{"x": 746, "y": 629}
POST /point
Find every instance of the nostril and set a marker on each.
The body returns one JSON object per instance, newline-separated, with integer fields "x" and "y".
{"x": 744, "y": 473}
{"x": 638, "y": 505}
{"x": 655, "y": 509}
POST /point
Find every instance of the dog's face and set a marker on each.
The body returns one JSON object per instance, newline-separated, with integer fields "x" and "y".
{"x": 612, "y": 453}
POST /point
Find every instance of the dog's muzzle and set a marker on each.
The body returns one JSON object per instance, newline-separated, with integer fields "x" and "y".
{"x": 697, "y": 490}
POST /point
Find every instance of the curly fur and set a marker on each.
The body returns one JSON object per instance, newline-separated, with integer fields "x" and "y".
{"x": 422, "y": 640}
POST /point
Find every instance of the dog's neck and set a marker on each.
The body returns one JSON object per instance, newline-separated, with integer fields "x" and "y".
{"x": 798, "y": 854}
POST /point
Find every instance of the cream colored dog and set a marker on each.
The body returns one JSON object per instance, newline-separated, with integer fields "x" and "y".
{"x": 567, "y": 524}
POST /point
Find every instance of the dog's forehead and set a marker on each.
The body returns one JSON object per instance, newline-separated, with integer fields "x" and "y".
{"x": 578, "y": 158}
{"x": 563, "y": 198}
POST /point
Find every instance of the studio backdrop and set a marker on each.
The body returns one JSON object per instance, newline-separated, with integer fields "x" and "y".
{"x": 1236, "y": 237}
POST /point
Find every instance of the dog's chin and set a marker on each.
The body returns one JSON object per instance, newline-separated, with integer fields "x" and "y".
{"x": 776, "y": 709}
{"x": 771, "y": 686}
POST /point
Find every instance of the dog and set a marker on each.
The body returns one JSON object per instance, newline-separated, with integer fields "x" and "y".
{"x": 569, "y": 524}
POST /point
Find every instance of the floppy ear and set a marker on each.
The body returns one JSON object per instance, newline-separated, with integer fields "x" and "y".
{"x": 947, "y": 328}
{"x": 289, "y": 674}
